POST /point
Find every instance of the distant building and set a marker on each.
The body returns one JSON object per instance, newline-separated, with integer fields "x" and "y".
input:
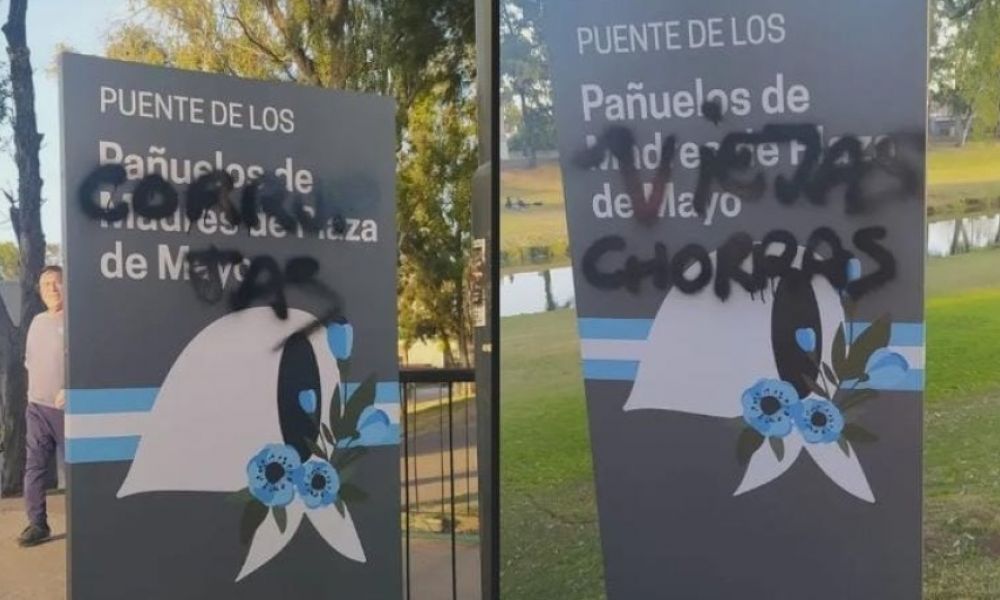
{"x": 942, "y": 123}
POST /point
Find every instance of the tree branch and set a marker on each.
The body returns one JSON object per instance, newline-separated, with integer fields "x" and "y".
{"x": 305, "y": 64}
{"x": 959, "y": 11}
{"x": 268, "y": 52}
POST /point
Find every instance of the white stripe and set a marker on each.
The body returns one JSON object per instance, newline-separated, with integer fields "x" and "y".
{"x": 612, "y": 349}
{"x": 914, "y": 355}
{"x": 106, "y": 425}
{"x": 391, "y": 410}
{"x": 633, "y": 350}
{"x": 121, "y": 424}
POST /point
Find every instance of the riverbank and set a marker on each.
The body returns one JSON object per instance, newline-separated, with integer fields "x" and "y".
{"x": 961, "y": 182}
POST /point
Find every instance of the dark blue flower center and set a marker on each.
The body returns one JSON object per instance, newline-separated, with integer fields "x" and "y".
{"x": 318, "y": 482}
{"x": 818, "y": 419}
{"x": 274, "y": 472}
{"x": 770, "y": 405}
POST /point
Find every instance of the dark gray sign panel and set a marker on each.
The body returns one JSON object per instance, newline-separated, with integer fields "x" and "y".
{"x": 744, "y": 191}
{"x": 233, "y": 408}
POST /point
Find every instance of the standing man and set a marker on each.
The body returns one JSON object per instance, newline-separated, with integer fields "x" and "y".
{"x": 43, "y": 357}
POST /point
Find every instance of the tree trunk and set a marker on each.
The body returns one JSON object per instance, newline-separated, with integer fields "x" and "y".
{"x": 550, "y": 299}
{"x": 527, "y": 121}
{"x": 966, "y": 129}
{"x": 30, "y": 239}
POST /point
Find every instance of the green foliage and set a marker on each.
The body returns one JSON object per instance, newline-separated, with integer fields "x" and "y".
{"x": 10, "y": 261}
{"x": 363, "y": 397}
{"x": 435, "y": 200}
{"x": 525, "y": 81}
{"x": 965, "y": 61}
{"x": 421, "y": 52}
{"x": 254, "y": 514}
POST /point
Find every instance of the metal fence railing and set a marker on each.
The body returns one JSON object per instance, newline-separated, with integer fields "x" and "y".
{"x": 440, "y": 484}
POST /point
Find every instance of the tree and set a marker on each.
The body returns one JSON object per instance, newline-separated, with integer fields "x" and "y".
{"x": 435, "y": 199}
{"x": 419, "y": 51}
{"x": 25, "y": 217}
{"x": 10, "y": 261}
{"x": 965, "y": 63}
{"x": 524, "y": 68}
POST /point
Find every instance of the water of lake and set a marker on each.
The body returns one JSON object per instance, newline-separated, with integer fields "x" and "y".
{"x": 543, "y": 291}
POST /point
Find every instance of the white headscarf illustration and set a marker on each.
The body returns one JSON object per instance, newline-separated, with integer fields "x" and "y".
{"x": 228, "y": 374}
{"x": 702, "y": 354}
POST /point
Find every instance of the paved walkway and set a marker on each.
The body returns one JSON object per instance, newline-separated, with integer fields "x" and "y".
{"x": 39, "y": 573}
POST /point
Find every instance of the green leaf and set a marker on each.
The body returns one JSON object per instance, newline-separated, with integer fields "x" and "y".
{"x": 815, "y": 387}
{"x": 844, "y": 446}
{"x": 362, "y": 398}
{"x": 335, "y": 416}
{"x": 344, "y": 366}
{"x": 327, "y": 434}
{"x": 280, "y": 517}
{"x": 849, "y": 305}
{"x": 750, "y": 440}
{"x": 830, "y": 375}
{"x": 253, "y": 515}
{"x": 346, "y": 461}
{"x": 839, "y": 352}
{"x": 315, "y": 448}
{"x": 778, "y": 446}
{"x": 857, "y": 398}
{"x": 352, "y": 493}
{"x": 241, "y": 497}
{"x": 870, "y": 340}
{"x": 858, "y": 434}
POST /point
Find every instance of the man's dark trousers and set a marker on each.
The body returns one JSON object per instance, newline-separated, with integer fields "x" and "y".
{"x": 44, "y": 436}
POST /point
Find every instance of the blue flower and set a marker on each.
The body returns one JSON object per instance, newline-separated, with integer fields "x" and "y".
{"x": 885, "y": 369}
{"x": 853, "y": 269}
{"x": 271, "y": 473}
{"x": 374, "y": 429}
{"x": 318, "y": 483}
{"x": 767, "y": 407}
{"x": 340, "y": 337}
{"x": 806, "y": 339}
{"x": 819, "y": 421}
{"x": 307, "y": 400}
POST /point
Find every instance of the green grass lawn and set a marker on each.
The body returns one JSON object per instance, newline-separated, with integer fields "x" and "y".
{"x": 960, "y": 181}
{"x": 976, "y": 162}
{"x": 550, "y": 545}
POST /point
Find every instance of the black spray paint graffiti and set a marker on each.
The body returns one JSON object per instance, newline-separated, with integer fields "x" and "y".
{"x": 668, "y": 272}
{"x": 264, "y": 279}
{"x": 872, "y": 170}
{"x": 871, "y": 173}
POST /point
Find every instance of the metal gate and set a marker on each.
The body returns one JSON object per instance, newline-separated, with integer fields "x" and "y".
{"x": 440, "y": 485}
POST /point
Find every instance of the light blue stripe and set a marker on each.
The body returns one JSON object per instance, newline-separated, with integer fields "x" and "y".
{"x": 902, "y": 334}
{"x": 386, "y": 392}
{"x": 122, "y": 400}
{"x": 98, "y": 450}
{"x": 133, "y": 400}
{"x": 913, "y": 381}
{"x": 627, "y": 370}
{"x": 118, "y": 449}
{"x": 391, "y": 439}
{"x": 611, "y": 370}
{"x": 615, "y": 329}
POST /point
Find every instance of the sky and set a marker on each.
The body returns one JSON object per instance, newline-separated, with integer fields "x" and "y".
{"x": 83, "y": 26}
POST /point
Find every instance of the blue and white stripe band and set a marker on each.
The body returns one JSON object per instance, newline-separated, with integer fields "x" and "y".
{"x": 106, "y": 425}
{"x": 612, "y": 348}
